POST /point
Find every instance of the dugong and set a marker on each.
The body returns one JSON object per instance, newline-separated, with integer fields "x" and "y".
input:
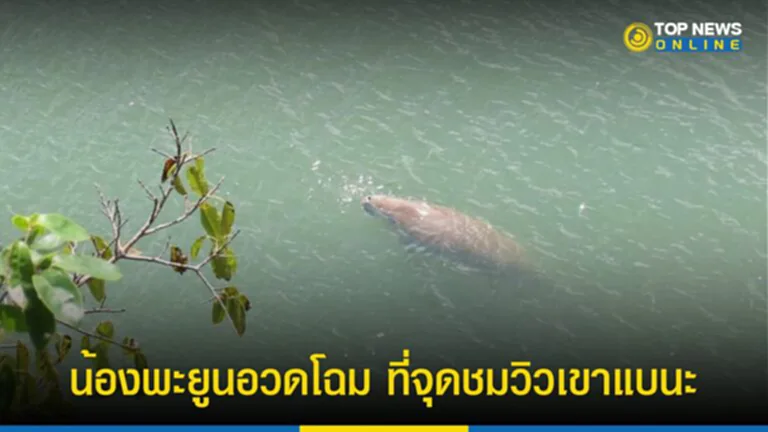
{"x": 448, "y": 232}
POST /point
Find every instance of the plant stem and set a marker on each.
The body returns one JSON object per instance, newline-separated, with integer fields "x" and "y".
{"x": 97, "y": 336}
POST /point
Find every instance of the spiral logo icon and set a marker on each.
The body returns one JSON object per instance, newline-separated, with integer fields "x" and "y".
{"x": 638, "y": 37}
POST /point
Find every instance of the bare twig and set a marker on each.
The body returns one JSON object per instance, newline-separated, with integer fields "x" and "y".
{"x": 194, "y": 268}
{"x": 104, "y": 203}
{"x": 113, "y": 241}
{"x": 158, "y": 260}
{"x": 151, "y": 196}
{"x": 117, "y": 230}
{"x": 218, "y": 250}
{"x": 197, "y": 269}
{"x": 205, "y": 153}
{"x": 187, "y": 213}
{"x": 218, "y": 298}
{"x": 103, "y": 310}
{"x": 165, "y": 248}
{"x": 162, "y": 153}
{"x": 159, "y": 203}
{"x": 97, "y": 336}
{"x": 111, "y": 210}
{"x": 79, "y": 280}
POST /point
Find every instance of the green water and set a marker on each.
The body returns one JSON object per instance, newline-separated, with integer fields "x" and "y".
{"x": 519, "y": 118}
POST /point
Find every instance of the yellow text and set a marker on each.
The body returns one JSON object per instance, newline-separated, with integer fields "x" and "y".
{"x": 202, "y": 384}
{"x": 521, "y": 379}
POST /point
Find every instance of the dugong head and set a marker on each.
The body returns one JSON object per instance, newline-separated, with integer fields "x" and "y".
{"x": 376, "y": 205}
{"x": 396, "y": 210}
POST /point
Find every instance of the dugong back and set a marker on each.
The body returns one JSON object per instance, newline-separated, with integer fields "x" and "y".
{"x": 454, "y": 232}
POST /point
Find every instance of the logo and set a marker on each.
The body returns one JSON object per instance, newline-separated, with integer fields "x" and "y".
{"x": 638, "y": 37}
{"x": 684, "y": 37}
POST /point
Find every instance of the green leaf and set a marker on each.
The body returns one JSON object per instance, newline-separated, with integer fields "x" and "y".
{"x": 130, "y": 342}
{"x": 106, "y": 329}
{"x": 224, "y": 265}
{"x": 236, "y": 311}
{"x": 97, "y": 287}
{"x": 40, "y": 321}
{"x": 41, "y": 261}
{"x": 20, "y": 261}
{"x": 12, "y": 319}
{"x": 63, "y": 227}
{"x": 140, "y": 361}
{"x": 16, "y": 294}
{"x": 4, "y": 261}
{"x": 22, "y": 357}
{"x": 47, "y": 243}
{"x": 88, "y": 265}
{"x": 68, "y": 249}
{"x": 221, "y": 268}
{"x": 26, "y": 389}
{"x": 63, "y": 347}
{"x": 101, "y": 246}
{"x": 200, "y": 169}
{"x": 45, "y": 263}
{"x": 218, "y": 313}
{"x": 196, "y": 178}
{"x": 230, "y": 291}
{"x": 85, "y": 343}
{"x": 46, "y": 369}
{"x": 169, "y": 170}
{"x": 7, "y": 385}
{"x": 209, "y": 218}
{"x": 60, "y": 295}
{"x": 227, "y": 218}
{"x": 195, "y": 249}
{"x": 34, "y": 233}
{"x": 200, "y": 165}
{"x": 20, "y": 222}
{"x": 245, "y": 301}
{"x": 102, "y": 355}
{"x": 179, "y": 186}
{"x": 231, "y": 261}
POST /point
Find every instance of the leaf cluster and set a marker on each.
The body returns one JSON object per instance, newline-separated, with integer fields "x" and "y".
{"x": 43, "y": 275}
